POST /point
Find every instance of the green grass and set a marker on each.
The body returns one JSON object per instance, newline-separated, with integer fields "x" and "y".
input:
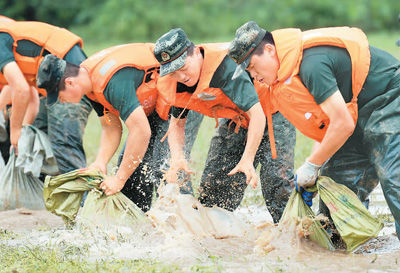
{"x": 45, "y": 259}
{"x": 386, "y": 41}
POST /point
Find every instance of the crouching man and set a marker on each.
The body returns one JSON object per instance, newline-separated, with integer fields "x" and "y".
{"x": 121, "y": 83}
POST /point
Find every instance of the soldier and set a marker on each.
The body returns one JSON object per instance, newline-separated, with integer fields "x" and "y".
{"x": 338, "y": 90}
{"x": 198, "y": 78}
{"x": 22, "y": 46}
{"x": 121, "y": 83}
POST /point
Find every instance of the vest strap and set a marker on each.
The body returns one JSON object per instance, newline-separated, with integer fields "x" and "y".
{"x": 270, "y": 125}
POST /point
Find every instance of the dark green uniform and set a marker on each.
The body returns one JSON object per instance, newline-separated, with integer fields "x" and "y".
{"x": 372, "y": 154}
{"x": 64, "y": 123}
{"x": 226, "y": 149}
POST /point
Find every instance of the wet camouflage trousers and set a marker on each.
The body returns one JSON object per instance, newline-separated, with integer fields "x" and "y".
{"x": 141, "y": 184}
{"x": 372, "y": 154}
{"x": 226, "y": 149}
{"x": 64, "y": 124}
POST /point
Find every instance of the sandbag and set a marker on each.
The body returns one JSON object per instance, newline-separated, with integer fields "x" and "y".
{"x": 117, "y": 209}
{"x": 18, "y": 189}
{"x": 35, "y": 154}
{"x": 352, "y": 220}
{"x": 3, "y": 127}
{"x": 2, "y": 163}
{"x": 63, "y": 195}
{"x": 298, "y": 214}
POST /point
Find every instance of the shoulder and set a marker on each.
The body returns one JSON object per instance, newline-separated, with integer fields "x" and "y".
{"x": 320, "y": 58}
{"x": 127, "y": 74}
{"x": 224, "y": 74}
{"x": 6, "y": 38}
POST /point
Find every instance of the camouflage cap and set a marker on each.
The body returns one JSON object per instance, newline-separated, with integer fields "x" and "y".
{"x": 171, "y": 50}
{"x": 50, "y": 72}
{"x": 247, "y": 38}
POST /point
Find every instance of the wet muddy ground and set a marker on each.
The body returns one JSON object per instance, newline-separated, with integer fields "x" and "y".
{"x": 231, "y": 254}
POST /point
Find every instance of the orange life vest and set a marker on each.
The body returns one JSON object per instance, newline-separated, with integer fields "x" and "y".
{"x": 6, "y": 19}
{"x": 219, "y": 105}
{"x": 104, "y": 64}
{"x": 57, "y": 41}
{"x": 291, "y": 98}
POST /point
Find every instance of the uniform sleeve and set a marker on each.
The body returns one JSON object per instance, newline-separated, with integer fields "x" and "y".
{"x": 75, "y": 55}
{"x": 177, "y": 112}
{"x": 317, "y": 74}
{"x": 98, "y": 107}
{"x": 6, "y": 52}
{"x": 240, "y": 90}
{"x": 120, "y": 91}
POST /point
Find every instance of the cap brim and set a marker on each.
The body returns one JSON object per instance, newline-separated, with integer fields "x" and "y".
{"x": 174, "y": 65}
{"x": 52, "y": 97}
{"x": 241, "y": 68}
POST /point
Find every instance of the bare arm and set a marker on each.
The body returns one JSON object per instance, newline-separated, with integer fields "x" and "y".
{"x": 136, "y": 146}
{"x": 254, "y": 136}
{"x": 5, "y": 96}
{"x": 341, "y": 127}
{"x": 20, "y": 98}
{"x": 33, "y": 106}
{"x": 109, "y": 141}
{"x": 176, "y": 141}
{"x": 176, "y": 138}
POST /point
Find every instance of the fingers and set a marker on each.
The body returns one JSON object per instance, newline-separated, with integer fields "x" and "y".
{"x": 251, "y": 175}
{"x": 234, "y": 170}
{"x": 248, "y": 177}
{"x": 171, "y": 176}
{"x": 188, "y": 171}
{"x": 14, "y": 148}
{"x": 254, "y": 181}
{"x": 252, "y": 178}
{"x": 307, "y": 197}
{"x": 183, "y": 166}
{"x": 108, "y": 190}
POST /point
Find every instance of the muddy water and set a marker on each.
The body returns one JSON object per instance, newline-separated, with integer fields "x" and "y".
{"x": 188, "y": 234}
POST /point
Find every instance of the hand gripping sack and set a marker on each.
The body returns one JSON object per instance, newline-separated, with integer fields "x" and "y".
{"x": 115, "y": 210}
{"x": 297, "y": 213}
{"x": 63, "y": 195}
{"x": 352, "y": 220}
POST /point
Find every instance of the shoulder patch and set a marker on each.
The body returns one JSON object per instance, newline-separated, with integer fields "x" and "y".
{"x": 103, "y": 70}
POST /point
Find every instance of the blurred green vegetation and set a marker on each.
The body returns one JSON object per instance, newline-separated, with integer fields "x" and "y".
{"x": 146, "y": 20}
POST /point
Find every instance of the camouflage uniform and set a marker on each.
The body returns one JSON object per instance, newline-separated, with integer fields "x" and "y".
{"x": 226, "y": 149}
{"x": 140, "y": 185}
